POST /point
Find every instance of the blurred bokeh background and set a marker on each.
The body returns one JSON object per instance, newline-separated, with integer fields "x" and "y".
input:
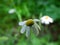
{"x": 26, "y": 9}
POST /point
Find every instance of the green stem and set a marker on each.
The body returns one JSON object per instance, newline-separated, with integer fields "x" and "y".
{"x": 47, "y": 32}
{"x": 40, "y": 20}
{"x": 19, "y": 16}
{"x": 46, "y": 29}
{"x": 29, "y": 39}
{"x": 17, "y": 12}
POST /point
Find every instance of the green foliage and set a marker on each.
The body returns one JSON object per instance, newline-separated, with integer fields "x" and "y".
{"x": 26, "y": 9}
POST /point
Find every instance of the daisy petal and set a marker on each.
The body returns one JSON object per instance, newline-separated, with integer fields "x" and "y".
{"x": 36, "y": 20}
{"x": 27, "y": 31}
{"x": 21, "y": 23}
{"x": 51, "y": 20}
{"x": 46, "y": 22}
{"x": 23, "y": 29}
{"x": 42, "y": 21}
{"x": 11, "y": 11}
{"x": 37, "y": 26}
{"x": 36, "y": 29}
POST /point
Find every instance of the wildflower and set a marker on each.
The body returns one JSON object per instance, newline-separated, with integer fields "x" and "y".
{"x": 11, "y": 11}
{"x": 28, "y": 24}
{"x": 46, "y": 20}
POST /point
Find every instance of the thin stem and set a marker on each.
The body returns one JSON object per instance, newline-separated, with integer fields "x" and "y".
{"x": 29, "y": 39}
{"x": 47, "y": 31}
{"x": 40, "y": 20}
{"x": 19, "y": 15}
{"x": 46, "y": 28}
{"x": 17, "y": 12}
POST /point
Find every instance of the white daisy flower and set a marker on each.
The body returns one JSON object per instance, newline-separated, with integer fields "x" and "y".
{"x": 28, "y": 24}
{"x": 46, "y": 20}
{"x": 11, "y": 11}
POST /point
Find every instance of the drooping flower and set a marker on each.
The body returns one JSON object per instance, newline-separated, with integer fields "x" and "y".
{"x": 11, "y": 11}
{"x": 46, "y": 20}
{"x": 28, "y": 24}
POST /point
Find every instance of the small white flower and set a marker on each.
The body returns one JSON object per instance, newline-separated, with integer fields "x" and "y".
{"x": 46, "y": 20}
{"x": 11, "y": 11}
{"x": 28, "y": 24}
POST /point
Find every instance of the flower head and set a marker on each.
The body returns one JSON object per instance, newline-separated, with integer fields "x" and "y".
{"x": 11, "y": 11}
{"x": 46, "y": 20}
{"x": 28, "y": 24}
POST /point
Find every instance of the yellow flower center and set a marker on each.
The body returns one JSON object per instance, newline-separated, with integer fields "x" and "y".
{"x": 47, "y": 17}
{"x": 29, "y": 22}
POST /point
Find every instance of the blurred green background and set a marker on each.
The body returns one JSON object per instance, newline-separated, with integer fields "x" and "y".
{"x": 26, "y": 9}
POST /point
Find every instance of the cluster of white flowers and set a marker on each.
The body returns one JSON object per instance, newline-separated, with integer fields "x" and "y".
{"x": 31, "y": 23}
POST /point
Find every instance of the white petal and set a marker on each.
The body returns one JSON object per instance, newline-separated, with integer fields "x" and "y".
{"x": 12, "y": 11}
{"x": 23, "y": 29}
{"x": 22, "y": 23}
{"x": 27, "y": 31}
{"x": 36, "y": 28}
{"x": 51, "y": 20}
{"x": 42, "y": 21}
{"x": 46, "y": 22}
{"x": 36, "y": 20}
{"x": 42, "y": 18}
